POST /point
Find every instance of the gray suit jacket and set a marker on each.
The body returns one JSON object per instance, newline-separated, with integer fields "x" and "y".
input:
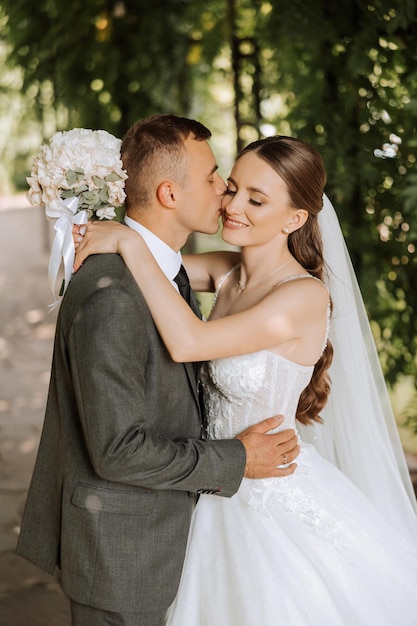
{"x": 121, "y": 457}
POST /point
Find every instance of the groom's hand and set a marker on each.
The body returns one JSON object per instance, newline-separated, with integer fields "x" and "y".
{"x": 266, "y": 452}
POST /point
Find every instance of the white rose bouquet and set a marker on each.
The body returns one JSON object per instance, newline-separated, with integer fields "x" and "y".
{"x": 77, "y": 177}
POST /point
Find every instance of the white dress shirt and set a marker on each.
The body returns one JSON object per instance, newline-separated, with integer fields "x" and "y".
{"x": 168, "y": 260}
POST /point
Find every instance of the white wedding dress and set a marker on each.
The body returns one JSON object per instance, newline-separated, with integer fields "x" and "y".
{"x": 309, "y": 549}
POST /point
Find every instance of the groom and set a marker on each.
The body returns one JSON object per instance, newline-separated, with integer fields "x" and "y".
{"x": 122, "y": 460}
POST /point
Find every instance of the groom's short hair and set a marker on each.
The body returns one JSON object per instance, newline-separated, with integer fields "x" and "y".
{"x": 153, "y": 150}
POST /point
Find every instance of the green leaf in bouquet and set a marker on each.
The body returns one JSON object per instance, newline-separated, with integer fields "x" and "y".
{"x": 71, "y": 177}
{"x": 91, "y": 197}
{"x": 120, "y": 213}
{"x": 81, "y": 189}
{"x": 104, "y": 195}
{"x": 112, "y": 178}
{"x": 67, "y": 193}
{"x": 98, "y": 181}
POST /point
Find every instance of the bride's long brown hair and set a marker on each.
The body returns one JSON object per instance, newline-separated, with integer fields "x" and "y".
{"x": 302, "y": 169}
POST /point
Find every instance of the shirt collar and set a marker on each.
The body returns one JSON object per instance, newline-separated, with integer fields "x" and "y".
{"x": 168, "y": 260}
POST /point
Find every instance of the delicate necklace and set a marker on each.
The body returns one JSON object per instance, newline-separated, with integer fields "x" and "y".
{"x": 242, "y": 287}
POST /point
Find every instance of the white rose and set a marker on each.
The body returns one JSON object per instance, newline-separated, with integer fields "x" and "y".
{"x": 107, "y": 213}
{"x": 116, "y": 192}
{"x": 34, "y": 196}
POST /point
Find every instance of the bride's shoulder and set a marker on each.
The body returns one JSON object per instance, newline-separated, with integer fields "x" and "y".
{"x": 206, "y": 270}
{"x": 302, "y": 280}
{"x": 302, "y": 289}
{"x": 220, "y": 260}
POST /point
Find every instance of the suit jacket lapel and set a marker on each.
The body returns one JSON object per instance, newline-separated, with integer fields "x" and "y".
{"x": 190, "y": 369}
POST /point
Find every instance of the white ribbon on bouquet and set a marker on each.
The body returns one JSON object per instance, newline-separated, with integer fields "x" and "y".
{"x": 63, "y": 249}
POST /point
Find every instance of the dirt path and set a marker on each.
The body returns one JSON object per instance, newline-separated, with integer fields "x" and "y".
{"x": 28, "y": 597}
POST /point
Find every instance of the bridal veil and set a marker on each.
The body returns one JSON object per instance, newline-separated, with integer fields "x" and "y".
{"x": 359, "y": 434}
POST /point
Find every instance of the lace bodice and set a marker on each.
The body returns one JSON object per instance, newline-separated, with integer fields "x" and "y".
{"x": 242, "y": 390}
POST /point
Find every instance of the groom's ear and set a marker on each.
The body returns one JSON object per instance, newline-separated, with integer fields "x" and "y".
{"x": 166, "y": 193}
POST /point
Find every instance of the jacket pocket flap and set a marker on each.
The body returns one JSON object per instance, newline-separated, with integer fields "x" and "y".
{"x": 99, "y": 500}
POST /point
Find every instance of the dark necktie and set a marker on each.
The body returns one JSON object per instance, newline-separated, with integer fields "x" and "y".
{"x": 183, "y": 283}
{"x": 184, "y": 287}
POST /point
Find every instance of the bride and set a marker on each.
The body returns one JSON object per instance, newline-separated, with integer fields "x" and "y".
{"x": 335, "y": 543}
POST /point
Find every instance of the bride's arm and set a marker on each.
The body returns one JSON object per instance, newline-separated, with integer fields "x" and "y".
{"x": 273, "y": 321}
{"x": 203, "y": 269}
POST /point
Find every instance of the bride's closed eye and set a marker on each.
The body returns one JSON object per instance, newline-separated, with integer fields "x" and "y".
{"x": 232, "y": 192}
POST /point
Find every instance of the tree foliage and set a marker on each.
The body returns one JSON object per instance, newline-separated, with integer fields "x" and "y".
{"x": 353, "y": 94}
{"x": 109, "y": 62}
{"x": 338, "y": 73}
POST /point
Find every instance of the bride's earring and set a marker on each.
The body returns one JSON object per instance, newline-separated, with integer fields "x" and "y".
{"x": 285, "y": 230}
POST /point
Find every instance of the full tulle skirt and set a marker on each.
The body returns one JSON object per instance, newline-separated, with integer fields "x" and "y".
{"x": 304, "y": 550}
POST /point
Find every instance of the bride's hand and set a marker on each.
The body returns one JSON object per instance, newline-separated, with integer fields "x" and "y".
{"x": 78, "y": 232}
{"x": 99, "y": 238}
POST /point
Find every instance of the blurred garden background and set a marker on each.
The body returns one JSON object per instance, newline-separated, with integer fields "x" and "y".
{"x": 341, "y": 74}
